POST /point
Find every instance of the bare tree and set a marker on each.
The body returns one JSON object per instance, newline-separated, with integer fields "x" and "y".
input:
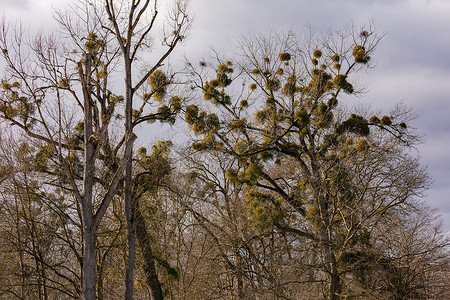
{"x": 408, "y": 259}
{"x": 316, "y": 170}
{"x": 132, "y": 36}
{"x": 47, "y": 73}
{"x": 38, "y": 230}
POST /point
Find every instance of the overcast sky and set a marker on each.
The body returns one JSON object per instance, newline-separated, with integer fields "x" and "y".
{"x": 413, "y": 58}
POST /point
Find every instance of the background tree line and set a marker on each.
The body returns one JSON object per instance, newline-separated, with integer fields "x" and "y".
{"x": 282, "y": 192}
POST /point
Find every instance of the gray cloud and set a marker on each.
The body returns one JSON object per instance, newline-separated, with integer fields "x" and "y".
{"x": 16, "y": 4}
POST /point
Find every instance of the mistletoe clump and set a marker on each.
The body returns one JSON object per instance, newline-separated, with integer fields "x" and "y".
{"x": 158, "y": 82}
{"x": 359, "y": 52}
{"x": 284, "y": 56}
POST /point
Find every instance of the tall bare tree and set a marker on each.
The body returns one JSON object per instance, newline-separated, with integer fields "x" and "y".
{"x": 315, "y": 169}
{"x": 133, "y": 35}
{"x": 48, "y": 74}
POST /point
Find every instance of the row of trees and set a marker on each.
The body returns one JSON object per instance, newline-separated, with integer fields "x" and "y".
{"x": 284, "y": 193}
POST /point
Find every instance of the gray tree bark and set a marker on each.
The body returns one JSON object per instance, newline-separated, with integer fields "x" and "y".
{"x": 143, "y": 237}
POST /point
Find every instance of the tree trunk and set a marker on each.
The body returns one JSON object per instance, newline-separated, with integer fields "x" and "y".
{"x": 129, "y": 207}
{"x": 325, "y": 232}
{"x": 89, "y": 228}
{"x": 330, "y": 265}
{"x": 131, "y": 236}
{"x": 89, "y": 262}
{"x": 151, "y": 277}
{"x": 239, "y": 276}
{"x": 335, "y": 286}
